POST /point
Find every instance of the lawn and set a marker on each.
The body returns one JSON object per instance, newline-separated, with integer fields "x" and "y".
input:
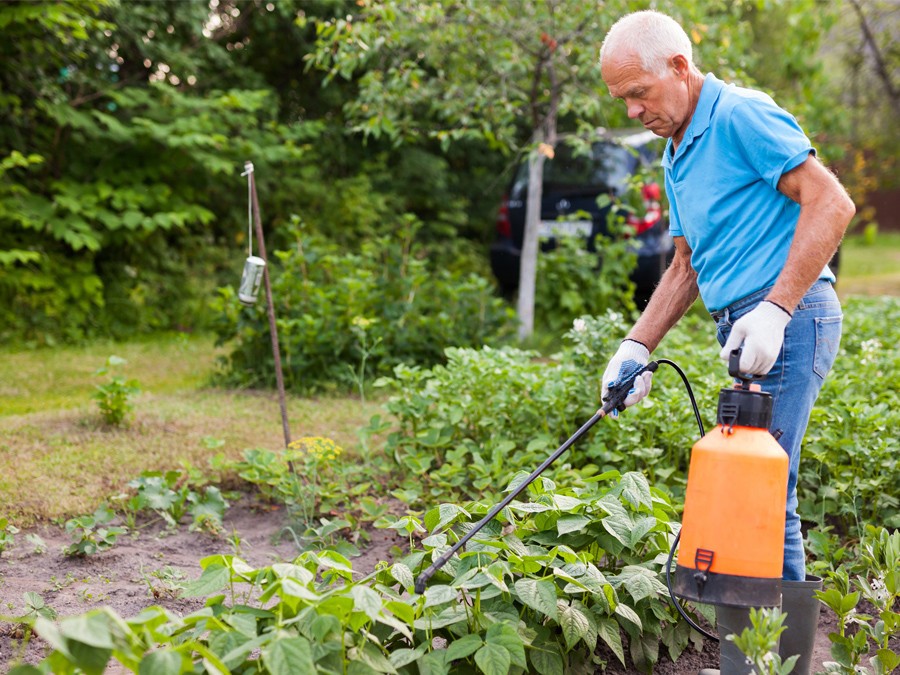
{"x": 52, "y": 440}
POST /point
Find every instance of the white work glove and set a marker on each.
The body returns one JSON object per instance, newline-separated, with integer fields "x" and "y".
{"x": 762, "y": 333}
{"x": 630, "y": 356}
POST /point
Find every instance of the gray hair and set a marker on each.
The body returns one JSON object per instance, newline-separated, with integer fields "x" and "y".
{"x": 652, "y": 36}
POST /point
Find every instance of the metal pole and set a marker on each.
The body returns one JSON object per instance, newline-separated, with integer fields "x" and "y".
{"x": 273, "y": 330}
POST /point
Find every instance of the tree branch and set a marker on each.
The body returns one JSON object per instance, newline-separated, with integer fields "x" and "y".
{"x": 880, "y": 67}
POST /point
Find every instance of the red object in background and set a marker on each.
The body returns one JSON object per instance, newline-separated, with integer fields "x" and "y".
{"x": 650, "y": 192}
{"x": 504, "y": 226}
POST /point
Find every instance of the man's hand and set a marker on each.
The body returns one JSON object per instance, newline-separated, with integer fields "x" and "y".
{"x": 761, "y": 331}
{"x": 631, "y": 356}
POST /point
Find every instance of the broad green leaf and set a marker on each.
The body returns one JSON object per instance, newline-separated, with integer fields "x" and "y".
{"x": 439, "y": 595}
{"x": 463, "y": 647}
{"x": 640, "y": 582}
{"x": 608, "y": 630}
{"x": 568, "y": 524}
{"x": 629, "y": 614}
{"x": 90, "y": 629}
{"x": 566, "y": 503}
{"x": 213, "y": 579}
{"x": 546, "y": 659}
{"x": 403, "y": 574}
{"x": 288, "y": 655}
{"x": 367, "y": 601}
{"x": 574, "y": 624}
{"x": 506, "y": 636}
{"x": 493, "y": 660}
{"x": 538, "y": 594}
{"x": 636, "y": 490}
{"x": 401, "y": 610}
{"x": 446, "y": 617}
{"x": 372, "y": 657}
{"x": 439, "y": 518}
{"x": 403, "y": 657}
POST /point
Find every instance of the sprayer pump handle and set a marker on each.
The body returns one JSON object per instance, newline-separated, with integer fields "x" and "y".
{"x": 734, "y": 369}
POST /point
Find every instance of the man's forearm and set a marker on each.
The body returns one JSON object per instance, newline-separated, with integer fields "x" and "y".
{"x": 674, "y": 295}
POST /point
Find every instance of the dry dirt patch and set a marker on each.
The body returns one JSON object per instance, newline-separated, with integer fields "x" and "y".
{"x": 143, "y": 570}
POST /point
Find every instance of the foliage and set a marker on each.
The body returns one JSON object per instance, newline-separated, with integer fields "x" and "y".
{"x": 7, "y": 534}
{"x": 877, "y": 581}
{"x": 462, "y": 427}
{"x": 573, "y": 281}
{"x": 851, "y": 453}
{"x": 347, "y": 317}
{"x": 90, "y": 534}
{"x": 114, "y": 397}
{"x": 759, "y": 643}
{"x": 169, "y": 495}
{"x": 325, "y": 492}
{"x": 563, "y": 573}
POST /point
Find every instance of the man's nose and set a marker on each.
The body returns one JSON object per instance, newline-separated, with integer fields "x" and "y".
{"x": 634, "y": 109}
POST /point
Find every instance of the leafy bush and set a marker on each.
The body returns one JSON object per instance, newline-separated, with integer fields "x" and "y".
{"x": 540, "y": 590}
{"x": 464, "y": 426}
{"x": 459, "y": 428}
{"x": 572, "y": 281}
{"x": 346, "y": 317}
{"x": 871, "y": 573}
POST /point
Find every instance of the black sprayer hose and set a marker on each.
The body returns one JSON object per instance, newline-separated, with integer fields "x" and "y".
{"x": 615, "y": 400}
{"x": 675, "y": 602}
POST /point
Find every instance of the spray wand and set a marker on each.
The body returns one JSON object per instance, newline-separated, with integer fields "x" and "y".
{"x": 615, "y": 400}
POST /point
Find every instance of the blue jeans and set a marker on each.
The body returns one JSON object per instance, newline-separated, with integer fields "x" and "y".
{"x": 811, "y": 342}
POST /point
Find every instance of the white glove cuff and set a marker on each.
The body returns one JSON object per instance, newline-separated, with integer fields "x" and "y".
{"x": 634, "y": 351}
{"x": 770, "y": 311}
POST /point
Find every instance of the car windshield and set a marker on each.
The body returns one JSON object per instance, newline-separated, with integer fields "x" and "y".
{"x": 605, "y": 169}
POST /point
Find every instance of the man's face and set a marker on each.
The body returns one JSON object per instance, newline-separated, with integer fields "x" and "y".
{"x": 661, "y": 103}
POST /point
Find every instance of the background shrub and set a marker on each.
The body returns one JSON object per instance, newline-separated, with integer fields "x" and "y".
{"x": 344, "y": 317}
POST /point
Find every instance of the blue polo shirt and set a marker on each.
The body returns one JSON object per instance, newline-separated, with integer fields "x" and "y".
{"x": 722, "y": 187}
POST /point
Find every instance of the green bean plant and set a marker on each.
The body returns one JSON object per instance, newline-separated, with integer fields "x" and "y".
{"x": 759, "y": 643}
{"x": 7, "y": 534}
{"x": 560, "y": 583}
{"x": 92, "y": 533}
{"x": 873, "y": 577}
{"x": 114, "y": 398}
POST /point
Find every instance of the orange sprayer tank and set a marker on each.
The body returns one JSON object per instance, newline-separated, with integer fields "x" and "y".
{"x": 732, "y": 535}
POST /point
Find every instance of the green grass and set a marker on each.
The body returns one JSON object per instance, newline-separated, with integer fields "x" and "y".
{"x": 870, "y": 267}
{"x": 58, "y": 460}
{"x": 59, "y": 378}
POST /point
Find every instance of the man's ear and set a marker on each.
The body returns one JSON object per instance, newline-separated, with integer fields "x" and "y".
{"x": 679, "y": 64}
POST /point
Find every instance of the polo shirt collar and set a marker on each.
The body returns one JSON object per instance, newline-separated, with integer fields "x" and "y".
{"x": 709, "y": 94}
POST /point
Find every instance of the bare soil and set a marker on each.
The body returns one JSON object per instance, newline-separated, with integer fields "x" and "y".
{"x": 144, "y": 569}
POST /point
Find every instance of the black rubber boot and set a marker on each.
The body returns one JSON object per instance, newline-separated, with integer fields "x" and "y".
{"x": 800, "y": 604}
{"x": 731, "y": 659}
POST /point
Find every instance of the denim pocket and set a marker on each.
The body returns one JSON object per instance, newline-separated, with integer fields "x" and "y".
{"x": 828, "y": 340}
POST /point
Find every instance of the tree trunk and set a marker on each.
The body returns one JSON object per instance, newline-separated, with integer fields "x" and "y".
{"x": 528, "y": 261}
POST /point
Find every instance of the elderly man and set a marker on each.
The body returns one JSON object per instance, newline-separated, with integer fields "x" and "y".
{"x": 755, "y": 218}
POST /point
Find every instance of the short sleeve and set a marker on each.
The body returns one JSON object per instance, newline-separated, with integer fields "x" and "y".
{"x": 674, "y": 221}
{"x": 770, "y": 138}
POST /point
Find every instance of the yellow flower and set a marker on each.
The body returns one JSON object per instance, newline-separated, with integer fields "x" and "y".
{"x": 317, "y": 447}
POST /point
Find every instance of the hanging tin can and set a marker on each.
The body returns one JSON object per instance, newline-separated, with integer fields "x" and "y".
{"x": 254, "y": 268}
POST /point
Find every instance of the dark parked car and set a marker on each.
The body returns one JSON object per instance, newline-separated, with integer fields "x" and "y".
{"x": 572, "y": 184}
